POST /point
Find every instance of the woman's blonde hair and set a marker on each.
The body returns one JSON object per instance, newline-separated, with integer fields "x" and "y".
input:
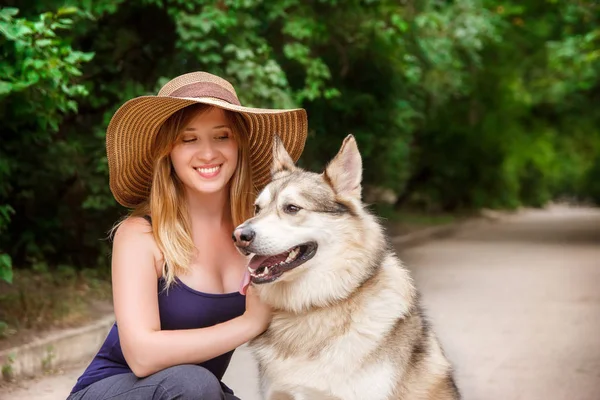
{"x": 167, "y": 205}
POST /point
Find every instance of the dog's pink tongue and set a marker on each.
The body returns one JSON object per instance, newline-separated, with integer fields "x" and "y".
{"x": 256, "y": 261}
{"x": 245, "y": 283}
{"x": 253, "y": 264}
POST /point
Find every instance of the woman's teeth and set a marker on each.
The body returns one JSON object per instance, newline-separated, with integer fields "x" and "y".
{"x": 208, "y": 170}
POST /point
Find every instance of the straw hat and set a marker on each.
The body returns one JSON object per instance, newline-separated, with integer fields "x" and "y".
{"x": 134, "y": 126}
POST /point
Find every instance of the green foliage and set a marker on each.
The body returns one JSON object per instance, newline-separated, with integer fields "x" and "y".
{"x": 6, "y": 273}
{"x": 518, "y": 135}
{"x": 37, "y": 89}
{"x": 455, "y": 105}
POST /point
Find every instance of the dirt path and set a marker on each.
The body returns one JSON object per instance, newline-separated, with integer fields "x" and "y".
{"x": 516, "y": 305}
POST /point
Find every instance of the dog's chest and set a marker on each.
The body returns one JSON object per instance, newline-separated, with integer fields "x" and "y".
{"x": 326, "y": 373}
{"x": 333, "y": 356}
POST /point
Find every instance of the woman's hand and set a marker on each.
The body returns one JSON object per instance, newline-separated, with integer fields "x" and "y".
{"x": 258, "y": 313}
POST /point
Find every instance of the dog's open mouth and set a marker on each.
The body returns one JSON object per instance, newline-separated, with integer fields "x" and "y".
{"x": 265, "y": 269}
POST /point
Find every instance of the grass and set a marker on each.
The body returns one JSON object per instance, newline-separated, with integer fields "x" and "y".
{"x": 39, "y": 301}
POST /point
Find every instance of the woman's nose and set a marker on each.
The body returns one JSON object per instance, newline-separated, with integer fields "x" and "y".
{"x": 206, "y": 150}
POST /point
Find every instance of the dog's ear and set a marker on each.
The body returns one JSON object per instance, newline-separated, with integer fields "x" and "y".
{"x": 282, "y": 162}
{"x": 344, "y": 172}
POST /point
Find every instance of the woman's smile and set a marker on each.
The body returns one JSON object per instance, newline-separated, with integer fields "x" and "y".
{"x": 209, "y": 171}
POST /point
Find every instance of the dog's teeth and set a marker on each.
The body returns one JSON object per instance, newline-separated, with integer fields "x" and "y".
{"x": 292, "y": 255}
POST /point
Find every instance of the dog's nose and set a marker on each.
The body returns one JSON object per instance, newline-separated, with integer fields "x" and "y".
{"x": 243, "y": 236}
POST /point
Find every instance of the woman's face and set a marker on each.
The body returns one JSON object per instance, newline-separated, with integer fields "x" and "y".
{"x": 205, "y": 153}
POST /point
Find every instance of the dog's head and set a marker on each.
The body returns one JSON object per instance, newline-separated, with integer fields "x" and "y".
{"x": 309, "y": 232}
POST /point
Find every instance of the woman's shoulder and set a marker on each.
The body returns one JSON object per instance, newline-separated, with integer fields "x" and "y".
{"x": 134, "y": 226}
{"x": 135, "y": 232}
{"x": 134, "y": 236}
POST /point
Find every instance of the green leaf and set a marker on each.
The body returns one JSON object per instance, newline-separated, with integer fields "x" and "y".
{"x": 5, "y": 88}
{"x": 6, "y": 272}
{"x": 43, "y": 42}
{"x": 9, "y": 11}
{"x": 63, "y": 11}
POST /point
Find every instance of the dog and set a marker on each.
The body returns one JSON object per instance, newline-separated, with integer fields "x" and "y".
{"x": 347, "y": 324}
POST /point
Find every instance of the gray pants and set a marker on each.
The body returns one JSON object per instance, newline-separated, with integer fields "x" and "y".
{"x": 182, "y": 382}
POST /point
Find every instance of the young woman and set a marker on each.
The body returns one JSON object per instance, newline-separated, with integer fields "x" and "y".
{"x": 189, "y": 162}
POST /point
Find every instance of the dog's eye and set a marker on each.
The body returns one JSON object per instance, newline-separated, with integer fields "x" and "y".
{"x": 256, "y": 209}
{"x": 291, "y": 208}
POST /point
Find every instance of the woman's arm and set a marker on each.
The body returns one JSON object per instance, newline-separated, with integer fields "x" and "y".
{"x": 146, "y": 348}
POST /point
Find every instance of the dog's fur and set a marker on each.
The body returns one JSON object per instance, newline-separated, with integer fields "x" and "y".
{"x": 347, "y": 323}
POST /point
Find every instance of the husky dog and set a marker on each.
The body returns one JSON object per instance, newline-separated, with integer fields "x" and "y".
{"x": 347, "y": 324}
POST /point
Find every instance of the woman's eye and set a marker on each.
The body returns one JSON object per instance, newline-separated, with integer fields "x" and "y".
{"x": 188, "y": 140}
{"x": 223, "y": 137}
{"x": 291, "y": 208}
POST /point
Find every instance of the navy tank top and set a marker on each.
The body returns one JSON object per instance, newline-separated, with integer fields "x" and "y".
{"x": 180, "y": 307}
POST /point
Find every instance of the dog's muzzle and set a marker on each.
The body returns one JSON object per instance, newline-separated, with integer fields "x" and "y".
{"x": 243, "y": 236}
{"x": 265, "y": 268}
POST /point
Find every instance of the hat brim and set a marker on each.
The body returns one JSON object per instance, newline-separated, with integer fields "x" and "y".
{"x": 134, "y": 126}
